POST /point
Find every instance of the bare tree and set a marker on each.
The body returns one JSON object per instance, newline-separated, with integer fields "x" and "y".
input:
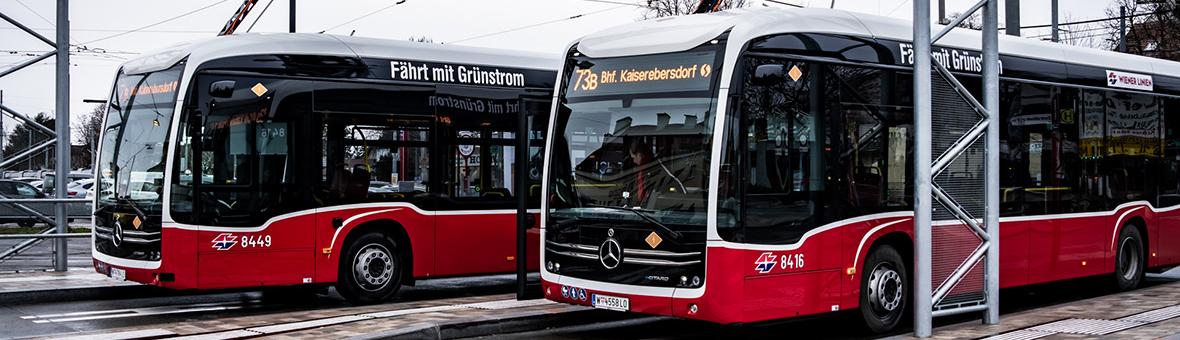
{"x": 1084, "y": 35}
{"x": 88, "y": 130}
{"x": 974, "y": 22}
{"x": 1153, "y": 29}
{"x": 668, "y": 8}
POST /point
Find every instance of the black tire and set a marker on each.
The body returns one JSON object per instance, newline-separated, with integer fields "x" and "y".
{"x": 884, "y": 290}
{"x": 1130, "y": 261}
{"x": 370, "y": 270}
{"x": 26, "y": 224}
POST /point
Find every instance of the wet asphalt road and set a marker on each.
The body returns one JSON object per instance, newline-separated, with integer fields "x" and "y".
{"x": 19, "y": 319}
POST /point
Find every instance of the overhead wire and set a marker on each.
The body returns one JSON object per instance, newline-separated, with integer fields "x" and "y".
{"x": 259, "y": 17}
{"x": 382, "y": 9}
{"x": 156, "y": 23}
{"x": 43, "y": 18}
{"x": 534, "y": 25}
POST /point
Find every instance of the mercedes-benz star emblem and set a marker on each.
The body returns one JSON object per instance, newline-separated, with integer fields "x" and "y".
{"x": 610, "y": 254}
{"x": 117, "y": 234}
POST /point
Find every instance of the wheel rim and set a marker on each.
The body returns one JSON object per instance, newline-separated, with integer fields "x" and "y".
{"x": 886, "y": 291}
{"x": 1129, "y": 258}
{"x": 373, "y": 267}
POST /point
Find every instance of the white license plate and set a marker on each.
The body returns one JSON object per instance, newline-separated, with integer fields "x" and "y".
{"x": 621, "y": 304}
{"x": 118, "y": 274}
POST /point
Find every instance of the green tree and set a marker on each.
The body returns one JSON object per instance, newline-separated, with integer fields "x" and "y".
{"x": 24, "y": 137}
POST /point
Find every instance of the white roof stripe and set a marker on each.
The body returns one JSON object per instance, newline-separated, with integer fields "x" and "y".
{"x": 199, "y": 51}
{"x": 751, "y": 23}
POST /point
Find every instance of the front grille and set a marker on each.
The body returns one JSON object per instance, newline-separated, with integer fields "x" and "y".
{"x": 141, "y": 243}
{"x": 130, "y": 236}
{"x": 630, "y": 256}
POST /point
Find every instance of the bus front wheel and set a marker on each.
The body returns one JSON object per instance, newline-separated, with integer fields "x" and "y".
{"x": 371, "y": 270}
{"x": 884, "y": 289}
{"x": 1129, "y": 261}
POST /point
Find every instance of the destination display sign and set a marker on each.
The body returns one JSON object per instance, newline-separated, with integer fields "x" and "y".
{"x": 676, "y": 72}
{"x": 459, "y": 74}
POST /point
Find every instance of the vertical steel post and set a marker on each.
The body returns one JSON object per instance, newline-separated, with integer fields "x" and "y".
{"x": 991, "y": 101}
{"x": 942, "y": 12}
{"x": 62, "y": 126}
{"x": 923, "y": 309}
{"x": 522, "y": 194}
{"x": 1056, "y": 29}
{"x": 291, "y": 20}
{"x": 1012, "y": 17}
{"x": 1123, "y": 29}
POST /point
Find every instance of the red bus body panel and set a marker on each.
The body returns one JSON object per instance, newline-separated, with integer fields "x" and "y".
{"x": 305, "y": 248}
{"x": 1034, "y": 249}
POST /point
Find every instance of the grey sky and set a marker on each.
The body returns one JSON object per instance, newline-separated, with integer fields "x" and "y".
{"x": 449, "y": 21}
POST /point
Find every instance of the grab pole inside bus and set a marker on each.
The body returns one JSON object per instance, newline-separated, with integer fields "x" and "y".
{"x": 522, "y": 217}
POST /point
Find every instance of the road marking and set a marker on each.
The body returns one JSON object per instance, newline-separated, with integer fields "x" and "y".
{"x": 144, "y": 333}
{"x": 137, "y": 312}
{"x": 343, "y": 319}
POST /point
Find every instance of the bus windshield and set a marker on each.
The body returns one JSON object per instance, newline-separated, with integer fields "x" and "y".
{"x": 134, "y": 139}
{"x": 632, "y": 140}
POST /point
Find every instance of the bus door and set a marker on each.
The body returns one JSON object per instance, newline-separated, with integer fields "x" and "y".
{"x": 476, "y": 215}
{"x": 376, "y": 143}
{"x": 241, "y": 174}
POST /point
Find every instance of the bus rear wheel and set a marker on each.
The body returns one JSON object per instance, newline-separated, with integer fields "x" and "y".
{"x": 370, "y": 270}
{"x": 884, "y": 290}
{"x": 1129, "y": 260}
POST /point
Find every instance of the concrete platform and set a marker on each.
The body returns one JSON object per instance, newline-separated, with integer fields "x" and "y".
{"x": 70, "y": 284}
{"x": 1148, "y": 313}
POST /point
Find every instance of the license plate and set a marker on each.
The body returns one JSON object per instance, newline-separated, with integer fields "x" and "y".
{"x": 621, "y": 304}
{"x": 118, "y": 274}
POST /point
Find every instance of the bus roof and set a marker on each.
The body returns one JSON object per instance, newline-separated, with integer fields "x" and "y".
{"x": 683, "y": 32}
{"x": 198, "y": 51}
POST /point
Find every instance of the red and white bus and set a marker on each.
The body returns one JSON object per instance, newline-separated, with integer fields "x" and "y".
{"x": 752, "y": 165}
{"x": 292, "y": 159}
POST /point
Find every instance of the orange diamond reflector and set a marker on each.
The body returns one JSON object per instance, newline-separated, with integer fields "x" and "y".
{"x": 258, "y": 89}
{"x": 795, "y": 73}
{"x": 136, "y": 222}
{"x": 653, "y": 240}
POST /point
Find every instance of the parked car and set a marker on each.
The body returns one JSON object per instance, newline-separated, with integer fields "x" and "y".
{"x": 79, "y": 188}
{"x": 381, "y": 187}
{"x": 17, "y": 189}
{"x": 47, "y": 186}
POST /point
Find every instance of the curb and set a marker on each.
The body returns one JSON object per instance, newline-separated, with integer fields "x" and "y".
{"x": 79, "y": 293}
{"x": 504, "y": 324}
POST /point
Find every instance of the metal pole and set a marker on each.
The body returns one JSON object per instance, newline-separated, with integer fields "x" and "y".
{"x": 991, "y": 101}
{"x": 1123, "y": 29}
{"x": 1012, "y": 17}
{"x": 1056, "y": 29}
{"x": 522, "y": 194}
{"x": 942, "y": 12}
{"x": 2, "y": 139}
{"x": 62, "y": 125}
{"x": 291, "y": 21}
{"x": 922, "y": 168}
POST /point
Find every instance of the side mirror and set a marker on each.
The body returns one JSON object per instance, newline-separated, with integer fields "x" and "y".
{"x": 768, "y": 75}
{"x": 222, "y": 88}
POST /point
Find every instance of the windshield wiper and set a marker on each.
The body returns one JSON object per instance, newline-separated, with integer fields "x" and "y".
{"x": 642, "y": 214}
{"x": 131, "y": 203}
